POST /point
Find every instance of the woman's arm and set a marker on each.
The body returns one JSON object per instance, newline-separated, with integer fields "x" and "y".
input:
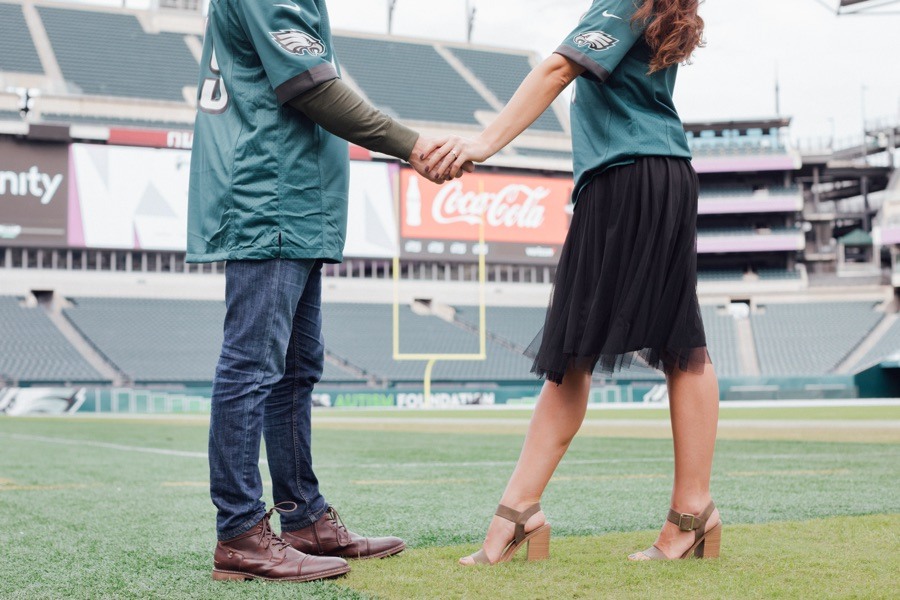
{"x": 542, "y": 86}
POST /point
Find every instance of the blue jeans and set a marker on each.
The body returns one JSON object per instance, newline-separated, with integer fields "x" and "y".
{"x": 272, "y": 356}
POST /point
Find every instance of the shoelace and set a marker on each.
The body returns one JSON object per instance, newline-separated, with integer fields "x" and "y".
{"x": 339, "y": 525}
{"x": 266, "y": 535}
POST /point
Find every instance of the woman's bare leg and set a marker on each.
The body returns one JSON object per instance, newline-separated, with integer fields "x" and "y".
{"x": 557, "y": 418}
{"x": 694, "y": 408}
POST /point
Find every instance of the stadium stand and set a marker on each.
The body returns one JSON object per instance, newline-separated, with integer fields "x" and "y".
{"x": 779, "y": 274}
{"x": 32, "y": 350}
{"x": 752, "y": 142}
{"x": 128, "y": 334}
{"x": 810, "y": 338}
{"x": 888, "y": 345}
{"x": 722, "y": 342}
{"x": 357, "y": 334}
{"x": 720, "y": 275}
{"x": 115, "y": 121}
{"x": 503, "y": 73}
{"x": 440, "y": 93}
{"x": 17, "y": 50}
{"x": 735, "y": 231}
{"x": 153, "y": 340}
{"x": 517, "y": 325}
{"x": 110, "y": 54}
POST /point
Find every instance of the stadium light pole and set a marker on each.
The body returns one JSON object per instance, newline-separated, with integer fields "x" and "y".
{"x": 392, "y": 5}
{"x": 862, "y": 103}
{"x": 470, "y": 20}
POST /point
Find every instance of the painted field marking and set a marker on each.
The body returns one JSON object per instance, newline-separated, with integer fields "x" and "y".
{"x": 447, "y": 480}
{"x": 8, "y": 485}
{"x": 435, "y": 464}
{"x": 564, "y": 478}
{"x": 178, "y": 484}
{"x": 788, "y": 473}
{"x": 109, "y": 446}
{"x": 433, "y": 357}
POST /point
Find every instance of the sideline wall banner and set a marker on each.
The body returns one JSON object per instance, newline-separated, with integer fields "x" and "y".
{"x": 128, "y": 198}
{"x": 526, "y": 217}
{"x": 136, "y": 198}
{"x": 33, "y": 193}
{"x": 371, "y": 218}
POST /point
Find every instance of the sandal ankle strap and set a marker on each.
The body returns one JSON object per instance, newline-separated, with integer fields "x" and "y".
{"x": 689, "y": 522}
{"x": 519, "y": 518}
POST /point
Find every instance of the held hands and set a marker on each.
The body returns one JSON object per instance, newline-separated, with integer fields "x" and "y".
{"x": 455, "y": 156}
{"x": 440, "y": 160}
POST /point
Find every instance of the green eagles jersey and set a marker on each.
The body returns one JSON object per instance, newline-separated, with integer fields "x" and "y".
{"x": 266, "y": 181}
{"x": 619, "y": 112}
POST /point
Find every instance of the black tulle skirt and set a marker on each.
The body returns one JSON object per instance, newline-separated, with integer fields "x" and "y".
{"x": 626, "y": 284}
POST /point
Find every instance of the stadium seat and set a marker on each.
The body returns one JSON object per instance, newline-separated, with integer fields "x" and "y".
{"x": 502, "y": 73}
{"x": 436, "y": 92}
{"x": 722, "y": 342}
{"x": 811, "y": 338}
{"x": 362, "y": 335}
{"x": 115, "y": 122}
{"x": 184, "y": 350}
{"x": 32, "y": 349}
{"x": 109, "y": 54}
{"x": 17, "y": 51}
{"x": 888, "y": 345}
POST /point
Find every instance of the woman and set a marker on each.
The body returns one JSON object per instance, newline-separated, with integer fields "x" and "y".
{"x": 626, "y": 281}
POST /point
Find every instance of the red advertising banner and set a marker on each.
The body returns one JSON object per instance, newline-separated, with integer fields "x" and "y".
{"x": 182, "y": 140}
{"x": 151, "y": 138}
{"x": 525, "y": 218}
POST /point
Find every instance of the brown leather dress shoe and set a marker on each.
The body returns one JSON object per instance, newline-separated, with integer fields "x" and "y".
{"x": 260, "y": 554}
{"x": 329, "y": 537}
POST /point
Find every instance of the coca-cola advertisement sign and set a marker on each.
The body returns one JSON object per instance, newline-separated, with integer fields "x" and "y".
{"x": 525, "y": 218}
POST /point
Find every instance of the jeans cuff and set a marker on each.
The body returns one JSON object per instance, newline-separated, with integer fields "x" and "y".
{"x": 311, "y": 516}
{"x": 244, "y": 527}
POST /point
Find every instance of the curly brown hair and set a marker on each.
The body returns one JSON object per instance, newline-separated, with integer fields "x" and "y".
{"x": 673, "y": 30}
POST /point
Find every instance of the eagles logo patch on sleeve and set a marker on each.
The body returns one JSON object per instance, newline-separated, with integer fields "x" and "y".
{"x": 297, "y": 42}
{"x": 596, "y": 40}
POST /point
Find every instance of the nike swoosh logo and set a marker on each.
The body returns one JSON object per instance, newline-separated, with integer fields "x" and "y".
{"x": 289, "y": 6}
{"x": 609, "y": 15}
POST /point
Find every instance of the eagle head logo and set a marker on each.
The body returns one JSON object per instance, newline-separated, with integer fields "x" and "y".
{"x": 297, "y": 42}
{"x": 596, "y": 40}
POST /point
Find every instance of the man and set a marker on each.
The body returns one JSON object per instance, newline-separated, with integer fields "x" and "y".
{"x": 268, "y": 194}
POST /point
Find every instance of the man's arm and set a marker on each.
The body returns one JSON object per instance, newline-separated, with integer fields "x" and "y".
{"x": 341, "y": 111}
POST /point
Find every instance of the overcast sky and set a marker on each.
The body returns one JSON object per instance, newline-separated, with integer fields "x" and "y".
{"x": 822, "y": 60}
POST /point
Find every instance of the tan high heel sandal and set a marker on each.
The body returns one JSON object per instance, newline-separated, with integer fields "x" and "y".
{"x": 538, "y": 541}
{"x": 706, "y": 543}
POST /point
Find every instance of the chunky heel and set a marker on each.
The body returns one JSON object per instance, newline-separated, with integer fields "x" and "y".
{"x": 226, "y": 576}
{"x": 539, "y": 544}
{"x": 712, "y": 541}
{"x": 706, "y": 543}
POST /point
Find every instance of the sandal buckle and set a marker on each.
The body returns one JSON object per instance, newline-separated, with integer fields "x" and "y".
{"x": 692, "y": 522}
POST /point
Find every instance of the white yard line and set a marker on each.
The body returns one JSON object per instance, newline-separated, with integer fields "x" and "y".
{"x": 410, "y": 465}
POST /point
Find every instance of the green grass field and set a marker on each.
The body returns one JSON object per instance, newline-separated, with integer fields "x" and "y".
{"x": 118, "y": 508}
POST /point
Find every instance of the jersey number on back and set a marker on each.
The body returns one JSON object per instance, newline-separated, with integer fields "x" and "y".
{"x": 213, "y": 95}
